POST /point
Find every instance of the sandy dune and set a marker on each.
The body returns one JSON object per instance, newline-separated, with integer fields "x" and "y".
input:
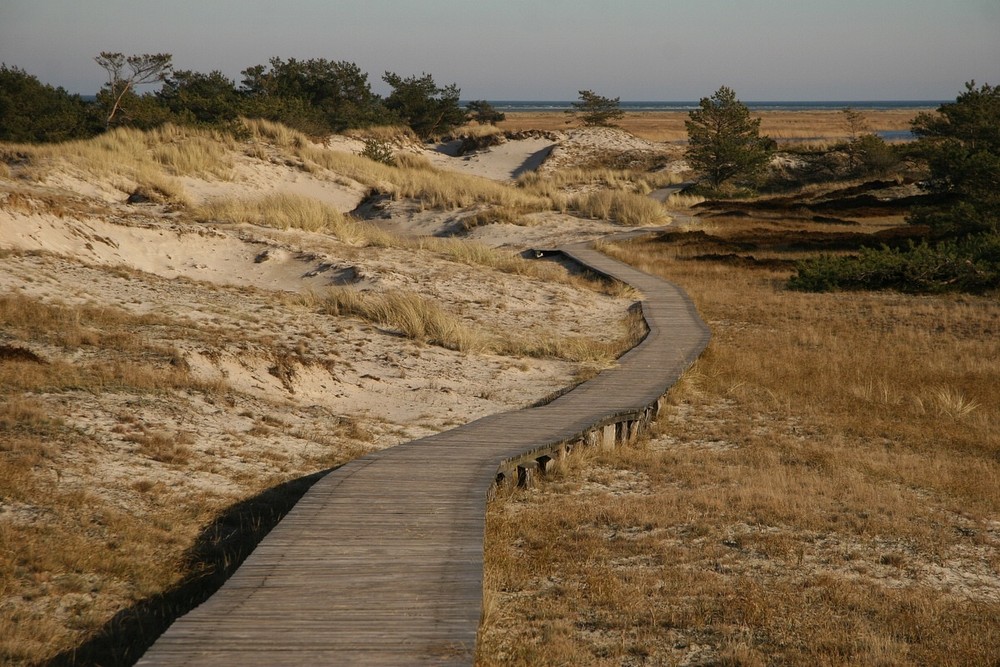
{"x": 239, "y": 307}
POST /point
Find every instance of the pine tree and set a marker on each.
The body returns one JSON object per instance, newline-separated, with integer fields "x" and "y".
{"x": 596, "y": 110}
{"x": 961, "y": 142}
{"x": 724, "y": 141}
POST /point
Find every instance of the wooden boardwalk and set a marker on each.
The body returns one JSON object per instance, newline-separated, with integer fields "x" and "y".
{"x": 381, "y": 561}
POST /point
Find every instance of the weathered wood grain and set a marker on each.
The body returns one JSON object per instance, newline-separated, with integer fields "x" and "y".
{"x": 380, "y": 563}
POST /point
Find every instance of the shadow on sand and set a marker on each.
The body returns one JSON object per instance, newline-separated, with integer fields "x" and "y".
{"x": 533, "y": 162}
{"x": 219, "y": 550}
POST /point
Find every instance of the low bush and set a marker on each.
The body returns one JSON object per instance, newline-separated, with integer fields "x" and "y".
{"x": 966, "y": 265}
{"x": 379, "y": 151}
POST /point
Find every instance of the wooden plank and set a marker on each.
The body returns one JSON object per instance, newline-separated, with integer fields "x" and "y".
{"x": 380, "y": 563}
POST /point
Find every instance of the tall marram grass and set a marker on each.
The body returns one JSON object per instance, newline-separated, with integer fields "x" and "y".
{"x": 625, "y": 208}
{"x": 422, "y": 319}
{"x": 291, "y": 211}
{"x": 135, "y": 159}
{"x": 412, "y": 315}
{"x": 416, "y": 178}
{"x": 642, "y": 182}
{"x": 392, "y": 134}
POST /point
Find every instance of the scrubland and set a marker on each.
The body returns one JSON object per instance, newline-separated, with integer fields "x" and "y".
{"x": 194, "y": 326}
{"x": 820, "y": 491}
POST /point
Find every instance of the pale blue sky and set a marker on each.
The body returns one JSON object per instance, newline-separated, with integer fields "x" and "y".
{"x": 540, "y": 49}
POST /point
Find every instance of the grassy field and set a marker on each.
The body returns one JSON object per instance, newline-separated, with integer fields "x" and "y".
{"x": 821, "y": 491}
{"x": 669, "y": 125}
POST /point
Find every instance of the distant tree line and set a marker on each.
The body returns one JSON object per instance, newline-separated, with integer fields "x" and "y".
{"x": 316, "y": 96}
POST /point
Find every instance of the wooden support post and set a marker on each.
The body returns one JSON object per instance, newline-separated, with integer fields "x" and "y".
{"x": 545, "y": 463}
{"x": 526, "y": 474}
{"x": 608, "y": 438}
{"x": 562, "y": 451}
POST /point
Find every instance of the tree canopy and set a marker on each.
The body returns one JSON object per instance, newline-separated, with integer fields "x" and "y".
{"x": 419, "y": 102}
{"x": 961, "y": 143}
{"x": 125, "y": 73}
{"x": 596, "y": 110}
{"x": 313, "y": 94}
{"x": 724, "y": 142}
{"x": 32, "y": 111}
{"x": 200, "y": 98}
{"x": 316, "y": 96}
{"x": 484, "y": 113}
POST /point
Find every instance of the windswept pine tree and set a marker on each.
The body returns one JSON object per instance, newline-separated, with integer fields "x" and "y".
{"x": 724, "y": 142}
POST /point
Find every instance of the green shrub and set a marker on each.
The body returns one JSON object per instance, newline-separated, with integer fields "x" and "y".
{"x": 971, "y": 264}
{"x": 874, "y": 156}
{"x": 31, "y": 111}
{"x": 379, "y": 151}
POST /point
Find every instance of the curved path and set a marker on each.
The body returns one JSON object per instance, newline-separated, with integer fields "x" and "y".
{"x": 381, "y": 561}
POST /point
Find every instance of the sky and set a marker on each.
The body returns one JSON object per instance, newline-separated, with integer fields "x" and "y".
{"x": 670, "y": 50}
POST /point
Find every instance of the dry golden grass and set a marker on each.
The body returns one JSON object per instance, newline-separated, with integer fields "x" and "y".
{"x": 136, "y": 161}
{"x": 412, "y": 315}
{"x": 416, "y": 178}
{"x": 625, "y": 208}
{"x": 393, "y": 134}
{"x": 63, "y": 543}
{"x": 111, "y": 356}
{"x": 821, "y": 492}
{"x": 641, "y": 182}
{"x": 422, "y": 319}
{"x": 476, "y": 131}
{"x": 668, "y": 126}
{"x": 95, "y": 518}
{"x": 290, "y": 211}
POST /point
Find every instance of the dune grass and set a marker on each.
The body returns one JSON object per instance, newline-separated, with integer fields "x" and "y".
{"x": 641, "y": 182}
{"x": 410, "y": 314}
{"x": 821, "y": 490}
{"x": 605, "y": 194}
{"x": 625, "y": 208}
{"x": 136, "y": 161}
{"x": 290, "y": 211}
{"x": 415, "y": 178}
{"x": 61, "y": 545}
{"x": 393, "y": 134}
{"x": 422, "y": 319}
